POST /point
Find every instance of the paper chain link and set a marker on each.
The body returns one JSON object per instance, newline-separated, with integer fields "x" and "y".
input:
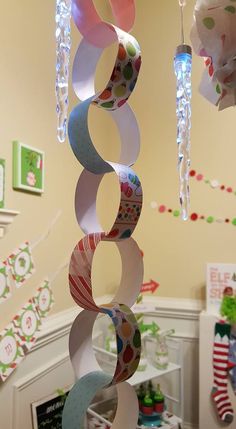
{"x": 97, "y": 35}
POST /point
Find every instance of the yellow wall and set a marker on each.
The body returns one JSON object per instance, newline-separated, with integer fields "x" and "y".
{"x": 175, "y": 252}
{"x": 27, "y": 112}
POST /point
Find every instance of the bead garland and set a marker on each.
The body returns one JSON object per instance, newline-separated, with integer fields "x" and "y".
{"x": 214, "y": 183}
{"x": 193, "y": 216}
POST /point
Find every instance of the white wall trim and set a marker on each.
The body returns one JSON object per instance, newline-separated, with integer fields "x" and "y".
{"x": 177, "y": 308}
{"x": 58, "y": 325}
{"x": 32, "y": 377}
{"x": 179, "y": 313}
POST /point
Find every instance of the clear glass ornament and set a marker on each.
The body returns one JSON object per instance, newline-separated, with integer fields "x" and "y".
{"x": 183, "y": 71}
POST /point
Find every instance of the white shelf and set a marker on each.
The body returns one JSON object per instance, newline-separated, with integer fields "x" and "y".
{"x": 150, "y": 373}
{"x": 6, "y": 218}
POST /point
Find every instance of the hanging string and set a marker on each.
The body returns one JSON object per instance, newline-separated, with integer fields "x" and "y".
{"x": 182, "y": 3}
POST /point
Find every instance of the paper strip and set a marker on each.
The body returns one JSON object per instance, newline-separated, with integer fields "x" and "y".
{"x": 115, "y": 95}
{"x": 129, "y": 208}
{"x": 112, "y": 98}
{"x": 86, "y": 17}
{"x": 128, "y": 342}
{"x": 82, "y": 394}
{"x": 213, "y": 35}
{"x": 80, "y": 272}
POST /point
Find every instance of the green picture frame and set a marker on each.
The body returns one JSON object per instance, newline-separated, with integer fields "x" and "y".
{"x": 28, "y": 168}
{"x": 2, "y": 183}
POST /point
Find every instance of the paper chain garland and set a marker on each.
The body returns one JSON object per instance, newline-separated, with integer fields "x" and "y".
{"x": 213, "y": 36}
{"x": 97, "y": 35}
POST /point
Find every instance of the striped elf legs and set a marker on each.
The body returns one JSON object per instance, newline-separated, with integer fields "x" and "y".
{"x": 220, "y": 365}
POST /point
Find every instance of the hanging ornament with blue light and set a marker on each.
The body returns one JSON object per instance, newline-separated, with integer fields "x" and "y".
{"x": 63, "y": 45}
{"x": 183, "y": 69}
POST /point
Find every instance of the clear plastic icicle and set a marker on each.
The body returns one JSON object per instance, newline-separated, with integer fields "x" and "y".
{"x": 63, "y": 44}
{"x": 183, "y": 71}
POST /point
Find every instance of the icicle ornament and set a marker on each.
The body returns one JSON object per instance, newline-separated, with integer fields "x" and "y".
{"x": 63, "y": 45}
{"x": 183, "y": 72}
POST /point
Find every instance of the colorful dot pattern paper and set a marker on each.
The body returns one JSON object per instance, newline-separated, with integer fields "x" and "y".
{"x": 113, "y": 99}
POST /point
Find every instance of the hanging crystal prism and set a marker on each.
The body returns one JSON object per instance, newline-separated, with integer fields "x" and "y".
{"x": 63, "y": 44}
{"x": 183, "y": 72}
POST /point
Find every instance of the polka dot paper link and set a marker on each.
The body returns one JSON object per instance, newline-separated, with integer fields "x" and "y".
{"x": 213, "y": 36}
{"x": 97, "y": 35}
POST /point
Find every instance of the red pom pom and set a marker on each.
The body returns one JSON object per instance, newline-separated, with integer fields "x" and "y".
{"x": 194, "y": 216}
{"x": 162, "y": 208}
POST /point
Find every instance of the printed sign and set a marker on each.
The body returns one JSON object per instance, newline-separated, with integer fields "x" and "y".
{"x": 219, "y": 276}
{"x": 47, "y": 413}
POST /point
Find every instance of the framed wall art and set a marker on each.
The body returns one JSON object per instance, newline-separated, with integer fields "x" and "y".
{"x": 2, "y": 182}
{"x": 28, "y": 168}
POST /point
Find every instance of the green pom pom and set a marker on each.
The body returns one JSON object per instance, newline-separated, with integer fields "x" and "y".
{"x": 228, "y": 309}
{"x": 176, "y": 213}
{"x": 234, "y": 221}
{"x": 210, "y": 219}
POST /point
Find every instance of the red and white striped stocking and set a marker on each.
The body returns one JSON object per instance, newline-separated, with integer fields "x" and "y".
{"x": 220, "y": 365}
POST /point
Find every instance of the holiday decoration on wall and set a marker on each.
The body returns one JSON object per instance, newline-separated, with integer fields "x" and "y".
{"x": 5, "y": 292}
{"x": 193, "y": 216}
{"x": 214, "y": 184}
{"x": 213, "y": 36}
{"x": 63, "y": 44}
{"x": 183, "y": 69}
{"x": 19, "y": 267}
{"x": 44, "y": 299}
{"x": 28, "y": 168}
{"x": 22, "y": 333}
{"x": 224, "y": 355}
{"x": 11, "y": 352}
{"x": 21, "y": 264}
{"x": 97, "y": 35}
{"x": 2, "y": 182}
{"x": 219, "y": 392}
{"x": 27, "y": 323}
{"x": 220, "y": 277}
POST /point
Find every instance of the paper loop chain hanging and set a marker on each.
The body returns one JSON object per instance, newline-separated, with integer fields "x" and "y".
{"x": 97, "y": 35}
